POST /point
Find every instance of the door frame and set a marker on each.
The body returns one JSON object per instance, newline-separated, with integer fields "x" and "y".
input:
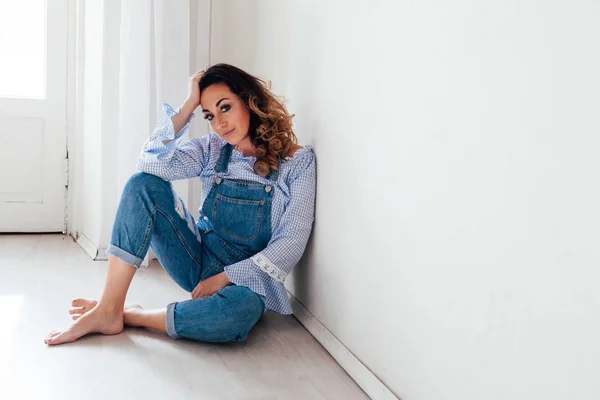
{"x": 75, "y": 64}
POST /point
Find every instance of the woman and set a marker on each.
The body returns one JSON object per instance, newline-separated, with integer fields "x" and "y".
{"x": 258, "y": 190}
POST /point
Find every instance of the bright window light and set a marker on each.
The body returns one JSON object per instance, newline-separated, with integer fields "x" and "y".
{"x": 23, "y": 48}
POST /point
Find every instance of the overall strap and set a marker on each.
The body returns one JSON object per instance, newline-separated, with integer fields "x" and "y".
{"x": 224, "y": 158}
{"x": 274, "y": 174}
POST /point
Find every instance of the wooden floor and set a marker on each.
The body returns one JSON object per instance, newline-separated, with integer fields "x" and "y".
{"x": 41, "y": 274}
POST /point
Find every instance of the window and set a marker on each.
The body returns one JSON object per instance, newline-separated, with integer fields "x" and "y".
{"x": 23, "y": 48}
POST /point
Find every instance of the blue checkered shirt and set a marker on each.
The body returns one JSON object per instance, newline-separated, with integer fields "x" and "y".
{"x": 293, "y": 201}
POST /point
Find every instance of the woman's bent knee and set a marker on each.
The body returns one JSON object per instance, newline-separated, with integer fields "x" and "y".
{"x": 144, "y": 180}
{"x": 226, "y": 316}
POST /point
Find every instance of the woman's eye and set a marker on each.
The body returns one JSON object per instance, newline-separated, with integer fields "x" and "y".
{"x": 225, "y": 108}
{"x": 208, "y": 117}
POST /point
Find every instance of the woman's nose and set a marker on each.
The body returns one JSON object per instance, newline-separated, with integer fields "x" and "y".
{"x": 220, "y": 122}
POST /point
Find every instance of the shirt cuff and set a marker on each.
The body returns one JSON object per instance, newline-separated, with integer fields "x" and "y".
{"x": 168, "y": 113}
{"x": 155, "y": 148}
{"x": 244, "y": 273}
{"x": 267, "y": 266}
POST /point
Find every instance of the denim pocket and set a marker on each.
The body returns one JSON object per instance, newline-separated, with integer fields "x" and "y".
{"x": 237, "y": 219}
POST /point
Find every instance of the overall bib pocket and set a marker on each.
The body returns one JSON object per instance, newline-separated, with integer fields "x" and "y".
{"x": 238, "y": 220}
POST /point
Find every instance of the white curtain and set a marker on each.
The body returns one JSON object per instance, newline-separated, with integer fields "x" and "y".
{"x": 162, "y": 42}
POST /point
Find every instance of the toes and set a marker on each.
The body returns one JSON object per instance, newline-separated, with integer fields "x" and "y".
{"x": 53, "y": 340}
{"x": 76, "y": 317}
{"x": 83, "y": 303}
{"x": 62, "y": 337}
{"x": 51, "y": 336}
{"x": 82, "y": 306}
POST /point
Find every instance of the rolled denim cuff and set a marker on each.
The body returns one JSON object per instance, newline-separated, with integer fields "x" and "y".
{"x": 170, "y": 322}
{"x": 124, "y": 256}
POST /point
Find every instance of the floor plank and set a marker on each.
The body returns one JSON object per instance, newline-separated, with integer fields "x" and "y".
{"x": 41, "y": 274}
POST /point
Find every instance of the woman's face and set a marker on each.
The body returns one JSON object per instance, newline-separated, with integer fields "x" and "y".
{"x": 228, "y": 116}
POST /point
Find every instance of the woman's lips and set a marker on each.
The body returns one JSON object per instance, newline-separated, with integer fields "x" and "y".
{"x": 227, "y": 133}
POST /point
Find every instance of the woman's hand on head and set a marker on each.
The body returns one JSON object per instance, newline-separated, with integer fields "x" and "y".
{"x": 194, "y": 89}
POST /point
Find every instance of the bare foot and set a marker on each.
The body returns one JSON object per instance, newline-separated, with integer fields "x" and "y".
{"x": 131, "y": 314}
{"x": 80, "y": 307}
{"x": 83, "y": 306}
{"x": 96, "y": 320}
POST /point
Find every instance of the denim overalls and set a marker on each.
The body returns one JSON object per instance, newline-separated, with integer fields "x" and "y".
{"x": 234, "y": 224}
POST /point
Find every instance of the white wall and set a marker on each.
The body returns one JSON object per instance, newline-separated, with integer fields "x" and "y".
{"x": 90, "y": 157}
{"x": 455, "y": 249}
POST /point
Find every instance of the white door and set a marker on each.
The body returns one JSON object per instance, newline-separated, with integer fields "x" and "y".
{"x": 33, "y": 140}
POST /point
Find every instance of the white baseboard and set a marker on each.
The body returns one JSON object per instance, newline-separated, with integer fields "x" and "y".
{"x": 372, "y": 386}
{"x": 101, "y": 255}
{"x": 97, "y": 254}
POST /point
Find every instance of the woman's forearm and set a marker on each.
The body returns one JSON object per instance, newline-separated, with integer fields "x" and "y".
{"x": 224, "y": 279}
{"x": 181, "y": 118}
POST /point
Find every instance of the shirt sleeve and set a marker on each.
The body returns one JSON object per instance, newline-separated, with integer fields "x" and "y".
{"x": 289, "y": 239}
{"x": 163, "y": 155}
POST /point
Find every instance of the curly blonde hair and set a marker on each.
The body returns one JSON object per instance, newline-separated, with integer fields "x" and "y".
{"x": 270, "y": 123}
